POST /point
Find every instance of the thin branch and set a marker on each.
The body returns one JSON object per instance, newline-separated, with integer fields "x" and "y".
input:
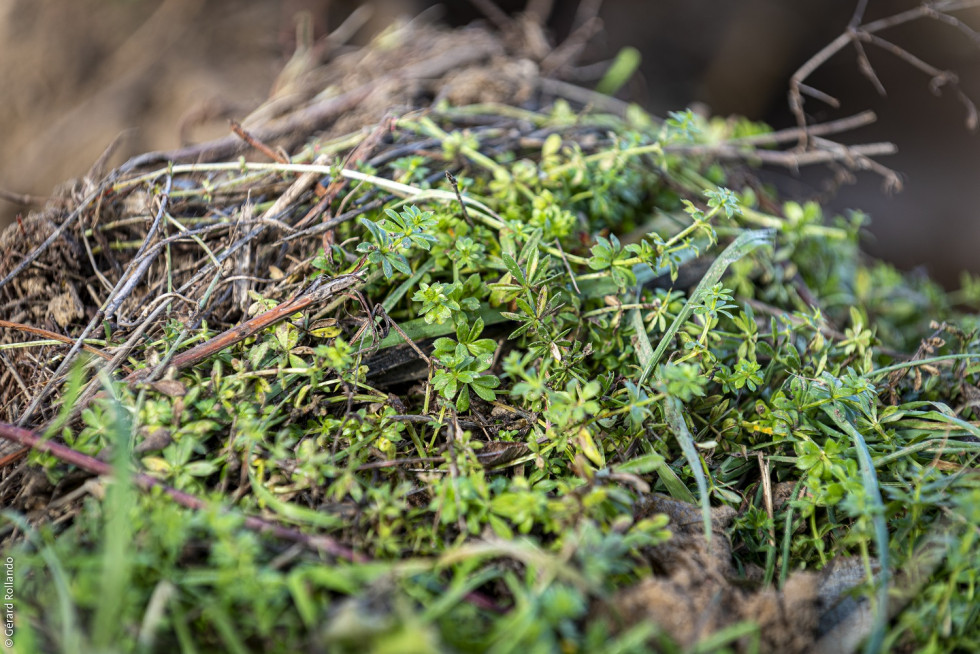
{"x": 856, "y": 32}
{"x": 953, "y": 21}
{"x": 24, "y": 199}
{"x": 568, "y": 52}
{"x": 459, "y": 197}
{"x": 793, "y": 159}
{"x": 406, "y": 337}
{"x": 55, "y": 336}
{"x": 319, "y": 292}
{"x": 858, "y": 14}
{"x": 864, "y": 65}
{"x": 246, "y": 136}
{"x": 821, "y": 129}
{"x": 497, "y": 16}
{"x": 92, "y": 465}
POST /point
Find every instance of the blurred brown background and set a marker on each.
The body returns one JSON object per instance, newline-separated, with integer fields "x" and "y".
{"x": 74, "y": 75}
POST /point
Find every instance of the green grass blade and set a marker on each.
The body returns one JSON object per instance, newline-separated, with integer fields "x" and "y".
{"x": 674, "y": 414}
{"x": 288, "y": 511}
{"x": 745, "y": 243}
{"x": 644, "y": 350}
{"x": 874, "y": 374}
{"x": 869, "y": 480}
{"x": 76, "y": 380}
{"x": 653, "y": 462}
{"x": 623, "y": 66}
{"x": 72, "y": 638}
{"x": 117, "y": 553}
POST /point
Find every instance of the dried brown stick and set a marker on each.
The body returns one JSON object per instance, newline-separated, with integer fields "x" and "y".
{"x": 459, "y": 197}
{"x": 316, "y": 115}
{"x": 140, "y": 264}
{"x": 55, "y": 336}
{"x": 821, "y": 129}
{"x": 495, "y": 14}
{"x": 938, "y": 78}
{"x": 318, "y": 292}
{"x": 24, "y": 199}
{"x": 583, "y": 95}
{"x": 953, "y": 21}
{"x": 857, "y": 154}
{"x": 405, "y": 337}
{"x": 249, "y": 138}
{"x": 568, "y": 52}
{"x": 31, "y": 439}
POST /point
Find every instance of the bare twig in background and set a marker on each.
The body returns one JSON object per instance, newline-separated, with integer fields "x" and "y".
{"x": 23, "y": 199}
{"x": 857, "y": 34}
{"x": 246, "y": 136}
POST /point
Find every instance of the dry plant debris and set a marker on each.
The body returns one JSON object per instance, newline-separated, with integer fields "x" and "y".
{"x": 479, "y": 361}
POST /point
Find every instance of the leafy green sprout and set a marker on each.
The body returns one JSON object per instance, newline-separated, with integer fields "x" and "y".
{"x": 657, "y": 252}
{"x": 685, "y": 125}
{"x": 394, "y": 236}
{"x": 461, "y": 364}
{"x": 442, "y": 302}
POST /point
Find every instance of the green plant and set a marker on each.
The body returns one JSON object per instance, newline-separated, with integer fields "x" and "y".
{"x": 485, "y": 485}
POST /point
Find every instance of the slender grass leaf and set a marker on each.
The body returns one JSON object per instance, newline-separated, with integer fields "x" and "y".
{"x": 623, "y": 66}
{"x": 644, "y": 351}
{"x": 76, "y": 379}
{"x": 744, "y": 244}
{"x": 919, "y": 362}
{"x": 869, "y": 480}
{"x": 71, "y": 635}
{"x": 674, "y": 413}
{"x": 117, "y": 553}
{"x": 294, "y": 513}
{"x": 655, "y": 463}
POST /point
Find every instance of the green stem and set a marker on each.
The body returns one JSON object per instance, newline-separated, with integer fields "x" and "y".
{"x": 620, "y": 307}
{"x": 919, "y": 362}
{"x": 654, "y": 148}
